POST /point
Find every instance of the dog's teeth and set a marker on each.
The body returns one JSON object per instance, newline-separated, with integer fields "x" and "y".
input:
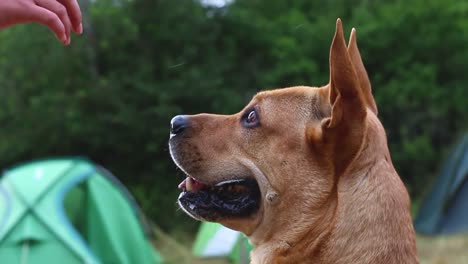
{"x": 188, "y": 185}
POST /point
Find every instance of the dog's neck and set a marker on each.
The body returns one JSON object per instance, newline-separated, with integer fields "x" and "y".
{"x": 347, "y": 216}
{"x": 309, "y": 238}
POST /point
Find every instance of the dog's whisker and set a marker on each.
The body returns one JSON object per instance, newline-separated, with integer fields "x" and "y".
{"x": 176, "y": 65}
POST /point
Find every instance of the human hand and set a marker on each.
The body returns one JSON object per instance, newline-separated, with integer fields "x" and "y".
{"x": 60, "y": 16}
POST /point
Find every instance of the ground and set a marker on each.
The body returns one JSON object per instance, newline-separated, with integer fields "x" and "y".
{"x": 431, "y": 250}
{"x": 443, "y": 250}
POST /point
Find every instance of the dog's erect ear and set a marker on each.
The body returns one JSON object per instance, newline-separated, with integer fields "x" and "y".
{"x": 361, "y": 72}
{"x": 346, "y": 96}
{"x": 346, "y": 127}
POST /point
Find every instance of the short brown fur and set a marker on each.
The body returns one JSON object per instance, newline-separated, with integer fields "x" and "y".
{"x": 330, "y": 193}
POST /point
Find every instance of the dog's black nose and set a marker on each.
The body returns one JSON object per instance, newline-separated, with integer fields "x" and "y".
{"x": 178, "y": 124}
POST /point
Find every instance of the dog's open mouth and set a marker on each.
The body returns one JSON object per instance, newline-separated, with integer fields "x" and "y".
{"x": 233, "y": 198}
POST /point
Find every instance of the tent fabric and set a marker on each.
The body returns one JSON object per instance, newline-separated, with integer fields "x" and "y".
{"x": 68, "y": 211}
{"x": 32, "y": 219}
{"x": 215, "y": 240}
{"x": 445, "y": 210}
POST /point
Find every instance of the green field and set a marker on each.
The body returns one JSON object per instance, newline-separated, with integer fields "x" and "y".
{"x": 443, "y": 250}
{"x": 431, "y": 250}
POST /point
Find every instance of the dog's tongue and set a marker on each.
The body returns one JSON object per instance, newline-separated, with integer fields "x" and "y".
{"x": 191, "y": 185}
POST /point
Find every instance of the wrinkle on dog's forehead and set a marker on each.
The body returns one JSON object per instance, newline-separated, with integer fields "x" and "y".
{"x": 300, "y": 102}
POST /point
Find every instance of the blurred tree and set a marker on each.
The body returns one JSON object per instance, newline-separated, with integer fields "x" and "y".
{"x": 111, "y": 94}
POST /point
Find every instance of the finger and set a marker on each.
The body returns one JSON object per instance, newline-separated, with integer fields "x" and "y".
{"x": 61, "y": 12}
{"x": 74, "y": 13}
{"x": 50, "y": 20}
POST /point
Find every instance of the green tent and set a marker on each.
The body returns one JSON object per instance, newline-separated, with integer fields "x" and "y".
{"x": 216, "y": 241}
{"x": 69, "y": 211}
{"x": 445, "y": 210}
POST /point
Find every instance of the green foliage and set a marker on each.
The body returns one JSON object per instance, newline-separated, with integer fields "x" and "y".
{"x": 111, "y": 94}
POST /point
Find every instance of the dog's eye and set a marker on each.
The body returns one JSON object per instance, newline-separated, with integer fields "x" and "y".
{"x": 250, "y": 119}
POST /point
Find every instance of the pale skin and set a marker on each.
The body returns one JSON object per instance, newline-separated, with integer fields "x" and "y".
{"x": 60, "y": 16}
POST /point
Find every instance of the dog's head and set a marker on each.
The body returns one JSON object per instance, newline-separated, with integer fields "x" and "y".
{"x": 282, "y": 155}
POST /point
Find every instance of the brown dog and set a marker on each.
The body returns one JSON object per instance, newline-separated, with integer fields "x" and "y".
{"x": 304, "y": 172}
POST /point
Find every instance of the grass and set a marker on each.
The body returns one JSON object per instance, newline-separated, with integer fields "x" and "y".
{"x": 443, "y": 250}
{"x": 431, "y": 250}
{"x": 175, "y": 252}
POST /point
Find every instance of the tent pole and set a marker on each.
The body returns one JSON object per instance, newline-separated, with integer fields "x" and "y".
{"x": 25, "y": 252}
{"x": 244, "y": 255}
